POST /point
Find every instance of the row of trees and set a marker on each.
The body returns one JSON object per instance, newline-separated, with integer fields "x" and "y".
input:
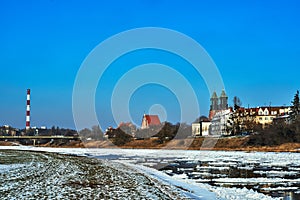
{"x": 163, "y": 133}
{"x": 10, "y": 131}
{"x": 91, "y": 134}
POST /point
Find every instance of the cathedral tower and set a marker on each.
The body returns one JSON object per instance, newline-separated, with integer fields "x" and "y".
{"x": 214, "y": 102}
{"x": 223, "y": 101}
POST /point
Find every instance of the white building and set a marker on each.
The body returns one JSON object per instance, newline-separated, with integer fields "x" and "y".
{"x": 265, "y": 115}
{"x": 220, "y": 123}
{"x": 201, "y": 128}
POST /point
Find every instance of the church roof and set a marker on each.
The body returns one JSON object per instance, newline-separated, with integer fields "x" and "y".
{"x": 152, "y": 119}
{"x": 223, "y": 94}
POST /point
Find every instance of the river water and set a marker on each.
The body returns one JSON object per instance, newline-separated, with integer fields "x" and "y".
{"x": 276, "y": 175}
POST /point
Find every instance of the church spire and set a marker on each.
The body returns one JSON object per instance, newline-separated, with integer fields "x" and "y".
{"x": 223, "y": 101}
{"x": 214, "y": 101}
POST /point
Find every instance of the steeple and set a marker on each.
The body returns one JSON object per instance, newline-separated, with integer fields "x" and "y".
{"x": 144, "y": 122}
{"x": 223, "y": 101}
{"x": 214, "y": 101}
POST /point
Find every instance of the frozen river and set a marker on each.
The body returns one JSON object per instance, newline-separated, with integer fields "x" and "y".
{"x": 205, "y": 174}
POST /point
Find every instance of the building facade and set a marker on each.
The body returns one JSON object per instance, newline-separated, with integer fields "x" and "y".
{"x": 149, "y": 120}
{"x": 265, "y": 115}
{"x": 221, "y": 122}
{"x": 201, "y": 128}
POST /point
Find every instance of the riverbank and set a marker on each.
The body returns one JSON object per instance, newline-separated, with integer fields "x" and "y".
{"x": 203, "y": 143}
{"x": 217, "y": 144}
{"x": 33, "y": 175}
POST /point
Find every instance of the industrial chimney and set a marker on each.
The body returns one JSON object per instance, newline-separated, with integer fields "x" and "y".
{"x": 28, "y": 110}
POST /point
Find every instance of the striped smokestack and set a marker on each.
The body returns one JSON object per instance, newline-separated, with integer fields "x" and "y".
{"x": 28, "y": 110}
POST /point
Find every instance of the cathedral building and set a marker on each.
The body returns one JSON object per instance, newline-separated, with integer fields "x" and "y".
{"x": 218, "y": 104}
{"x": 219, "y": 114}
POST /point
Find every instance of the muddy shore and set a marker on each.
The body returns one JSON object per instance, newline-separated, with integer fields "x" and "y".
{"x": 218, "y": 144}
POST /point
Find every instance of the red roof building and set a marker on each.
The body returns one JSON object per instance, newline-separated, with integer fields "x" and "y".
{"x": 149, "y": 120}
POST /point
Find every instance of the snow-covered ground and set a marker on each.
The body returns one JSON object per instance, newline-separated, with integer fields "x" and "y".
{"x": 207, "y": 174}
{"x": 56, "y": 176}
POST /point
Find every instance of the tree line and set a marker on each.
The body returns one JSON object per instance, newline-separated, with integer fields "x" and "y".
{"x": 162, "y": 133}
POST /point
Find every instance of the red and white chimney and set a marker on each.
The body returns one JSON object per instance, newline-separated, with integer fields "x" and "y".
{"x": 28, "y": 110}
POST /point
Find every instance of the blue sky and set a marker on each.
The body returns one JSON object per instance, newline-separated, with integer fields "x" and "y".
{"x": 255, "y": 45}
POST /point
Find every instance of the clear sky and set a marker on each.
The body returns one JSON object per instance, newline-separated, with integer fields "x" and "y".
{"x": 255, "y": 45}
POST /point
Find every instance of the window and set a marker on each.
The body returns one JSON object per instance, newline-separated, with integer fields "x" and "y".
{"x": 260, "y": 118}
{"x": 266, "y": 118}
{"x": 274, "y": 112}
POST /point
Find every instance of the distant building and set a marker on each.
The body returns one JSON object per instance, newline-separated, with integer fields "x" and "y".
{"x": 223, "y": 118}
{"x": 9, "y": 131}
{"x": 201, "y": 127}
{"x": 265, "y": 115}
{"x": 196, "y": 126}
{"x": 219, "y": 114}
{"x": 218, "y": 104}
{"x": 149, "y": 120}
{"x": 220, "y": 122}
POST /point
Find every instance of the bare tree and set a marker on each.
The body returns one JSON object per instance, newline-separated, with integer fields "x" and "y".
{"x": 236, "y": 103}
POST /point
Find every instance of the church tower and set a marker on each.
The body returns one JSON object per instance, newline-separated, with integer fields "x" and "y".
{"x": 223, "y": 101}
{"x": 214, "y": 105}
{"x": 144, "y": 122}
{"x": 214, "y": 102}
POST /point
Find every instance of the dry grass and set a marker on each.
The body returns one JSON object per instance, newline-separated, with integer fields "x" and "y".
{"x": 3, "y": 143}
{"x": 229, "y": 144}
